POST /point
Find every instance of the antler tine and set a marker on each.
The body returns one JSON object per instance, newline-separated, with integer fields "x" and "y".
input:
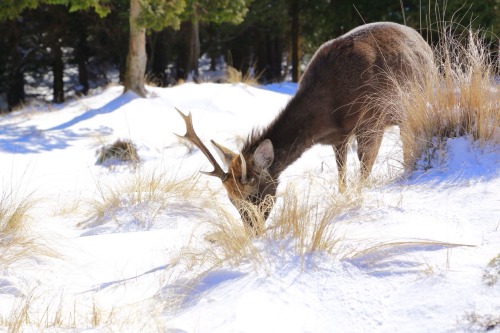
{"x": 194, "y": 139}
{"x": 243, "y": 169}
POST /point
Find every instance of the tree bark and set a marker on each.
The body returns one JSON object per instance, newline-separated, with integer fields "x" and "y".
{"x": 194, "y": 47}
{"x": 58, "y": 71}
{"x": 136, "y": 58}
{"x": 159, "y": 57}
{"x": 82, "y": 56}
{"x": 15, "y": 91}
{"x": 15, "y": 75}
{"x": 268, "y": 56}
{"x": 83, "y": 76}
{"x": 294, "y": 13}
{"x": 240, "y": 51}
{"x": 189, "y": 54}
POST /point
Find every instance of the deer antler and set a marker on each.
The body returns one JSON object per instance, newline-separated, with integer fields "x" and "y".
{"x": 194, "y": 139}
{"x": 244, "y": 179}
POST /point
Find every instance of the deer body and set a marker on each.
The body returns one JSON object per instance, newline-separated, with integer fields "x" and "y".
{"x": 342, "y": 93}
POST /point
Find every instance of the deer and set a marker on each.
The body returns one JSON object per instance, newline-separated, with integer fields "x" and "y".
{"x": 341, "y": 94}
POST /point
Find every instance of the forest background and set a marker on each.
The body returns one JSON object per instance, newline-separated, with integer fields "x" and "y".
{"x": 68, "y": 47}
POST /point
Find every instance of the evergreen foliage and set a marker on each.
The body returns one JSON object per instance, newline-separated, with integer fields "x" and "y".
{"x": 271, "y": 38}
{"x": 158, "y": 14}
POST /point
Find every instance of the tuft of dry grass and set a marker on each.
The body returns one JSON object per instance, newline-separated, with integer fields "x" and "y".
{"x": 481, "y": 323}
{"x": 37, "y": 312}
{"x": 235, "y": 76}
{"x": 300, "y": 225}
{"x": 15, "y": 242}
{"x": 119, "y": 151}
{"x": 491, "y": 275}
{"x": 459, "y": 99}
{"x": 308, "y": 220}
{"x": 155, "y": 189}
{"x": 231, "y": 241}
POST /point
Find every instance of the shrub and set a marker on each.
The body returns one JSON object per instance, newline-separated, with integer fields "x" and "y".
{"x": 118, "y": 152}
{"x": 459, "y": 99}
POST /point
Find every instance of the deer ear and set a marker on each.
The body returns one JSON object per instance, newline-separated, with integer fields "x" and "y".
{"x": 225, "y": 154}
{"x": 263, "y": 156}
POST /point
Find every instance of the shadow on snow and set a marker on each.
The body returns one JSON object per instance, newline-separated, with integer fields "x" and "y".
{"x": 24, "y": 140}
{"x": 109, "y": 284}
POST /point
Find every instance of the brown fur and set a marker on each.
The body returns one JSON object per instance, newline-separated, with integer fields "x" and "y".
{"x": 341, "y": 94}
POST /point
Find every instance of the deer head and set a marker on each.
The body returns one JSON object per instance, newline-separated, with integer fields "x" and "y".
{"x": 247, "y": 180}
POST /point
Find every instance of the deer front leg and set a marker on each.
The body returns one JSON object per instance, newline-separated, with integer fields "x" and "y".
{"x": 368, "y": 146}
{"x": 341, "y": 158}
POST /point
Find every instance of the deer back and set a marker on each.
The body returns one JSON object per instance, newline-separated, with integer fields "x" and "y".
{"x": 356, "y": 76}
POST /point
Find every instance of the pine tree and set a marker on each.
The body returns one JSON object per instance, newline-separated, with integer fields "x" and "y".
{"x": 205, "y": 11}
{"x": 55, "y": 16}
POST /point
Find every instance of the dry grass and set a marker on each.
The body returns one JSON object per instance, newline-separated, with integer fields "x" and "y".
{"x": 232, "y": 242}
{"x": 15, "y": 242}
{"x": 458, "y": 99}
{"x": 308, "y": 220}
{"x": 235, "y": 76}
{"x": 300, "y": 226}
{"x": 481, "y": 323}
{"x": 119, "y": 151}
{"x": 155, "y": 189}
{"x": 491, "y": 275}
{"x": 61, "y": 314}
{"x": 299, "y": 231}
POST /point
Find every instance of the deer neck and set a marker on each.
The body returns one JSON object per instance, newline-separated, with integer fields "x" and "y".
{"x": 290, "y": 133}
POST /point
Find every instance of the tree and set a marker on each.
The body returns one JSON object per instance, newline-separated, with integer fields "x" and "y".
{"x": 136, "y": 58}
{"x": 204, "y": 11}
{"x": 154, "y": 14}
{"x": 12, "y": 63}
{"x": 261, "y": 40}
{"x": 53, "y": 14}
{"x": 295, "y": 34}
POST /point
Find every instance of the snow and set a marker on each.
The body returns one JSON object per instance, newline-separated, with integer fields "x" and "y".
{"x": 411, "y": 255}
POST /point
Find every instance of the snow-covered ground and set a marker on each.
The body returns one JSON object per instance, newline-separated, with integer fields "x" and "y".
{"x": 412, "y": 250}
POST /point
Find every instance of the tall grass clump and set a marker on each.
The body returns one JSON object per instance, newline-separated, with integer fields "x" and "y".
{"x": 307, "y": 220}
{"x": 232, "y": 242}
{"x": 120, "y": 151}
{"x": 152, "y": 191}
{"x": 15, "y": 242}
{"x": 235, "y": 76}
{"x": 300, "y": 225}
{"x": 459, "y": 98}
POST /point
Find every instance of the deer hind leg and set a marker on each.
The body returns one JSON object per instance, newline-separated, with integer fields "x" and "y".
{"x": 341, "y": 158}
{"x": 408, "y": 161}
{"x": 369, "y": 141}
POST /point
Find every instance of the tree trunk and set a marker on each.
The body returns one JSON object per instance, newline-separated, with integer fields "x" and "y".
{"x": 83, "y": 76}
{"x": 82, "y": 56}
{"x": 136, "y": 58}
{"x": 268, "y": 56}
{"x": 58, "y": 71}
{"x": 194, "y": 48}
{"x": 157, "y": 68}
{"x": 294, "y": 13}
{"x": 15, "y": 91}
{"x": 15, "y": 76}
{"x": 187, "y": 61}
{"x": 240, "y": 51}
{"x": 275, "y": 58}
